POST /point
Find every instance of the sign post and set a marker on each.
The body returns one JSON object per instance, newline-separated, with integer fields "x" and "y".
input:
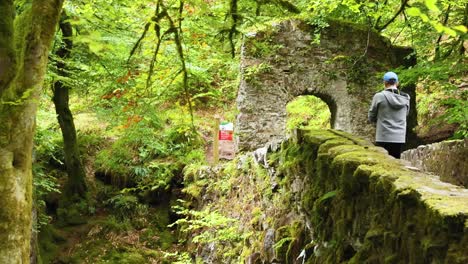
{"x": 226, "y": 142}
{"x": 216, "y": 141}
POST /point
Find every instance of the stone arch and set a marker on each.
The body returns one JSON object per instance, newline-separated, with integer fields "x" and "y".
{"x": 308, "y": 110}
{"x": 327, "y": 99}
{"x": 344, "y": 70}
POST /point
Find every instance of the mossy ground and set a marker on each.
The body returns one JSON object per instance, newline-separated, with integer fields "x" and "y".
{"x": 110, "y": 238}
{"x": 109, "y": 226}
{"x": 113, "y": 224}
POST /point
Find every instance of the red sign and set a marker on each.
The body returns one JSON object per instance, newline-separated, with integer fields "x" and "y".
{"x": 225, "y": 135}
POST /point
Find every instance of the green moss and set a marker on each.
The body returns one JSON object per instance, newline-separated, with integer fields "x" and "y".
{"x": 334, "y": 142}
{"x": 376, "y": 199}
{"x": 125, "y": 258}
{"x": 72, "y": 211}
{"x": 113, "y": 224}
{"x": 49, "y": 240}
{"x": 102, "y": 251}
{"x": 290, "y": 240}
{"x": 254, "y": 74}
{"x": 316, "y": 137}
{"x": 261, "y": 43}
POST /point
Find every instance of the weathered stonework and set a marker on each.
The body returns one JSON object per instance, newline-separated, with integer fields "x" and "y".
{"x": 281, "y": 63}
{"x": 380, "y": 211}
{"x": 326, "y": 196}
{"x": 448, "y": 159}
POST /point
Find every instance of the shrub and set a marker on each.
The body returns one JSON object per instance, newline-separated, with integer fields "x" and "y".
{"x": 125, "y": 206}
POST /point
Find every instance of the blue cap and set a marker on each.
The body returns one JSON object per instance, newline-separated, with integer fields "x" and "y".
{"x": 390, "y": 75}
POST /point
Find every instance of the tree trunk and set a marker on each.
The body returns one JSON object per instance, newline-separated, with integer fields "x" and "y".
{"x": 439, "y": 39}
{"x": 461, "y": 50}
{"x": 76, "y": 183}
{"x": 24, "y": 46}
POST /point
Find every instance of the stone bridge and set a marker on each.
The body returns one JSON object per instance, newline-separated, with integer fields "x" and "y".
{"x": 329, "y": 196}
{"x": 326, "y": 196}
{"x": 372, "y": 206}
{"x": 344, "y": 69}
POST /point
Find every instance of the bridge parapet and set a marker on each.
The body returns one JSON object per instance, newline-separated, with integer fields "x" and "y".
{"x": 374, "y": 206}
{"x": 448, "y": 159}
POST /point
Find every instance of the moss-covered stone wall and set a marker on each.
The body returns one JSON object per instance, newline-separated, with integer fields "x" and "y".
{"x": 366, "y": 207}
{"x": 448, "y": 159}
{"x": 326, "y": 196}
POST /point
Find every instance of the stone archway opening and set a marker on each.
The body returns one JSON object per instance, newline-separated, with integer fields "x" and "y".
{"x": 282, "y": 62}
{"x": 308, "y": 111}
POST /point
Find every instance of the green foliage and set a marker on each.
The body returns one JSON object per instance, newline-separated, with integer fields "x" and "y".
{"x": 288, "y": 237}
{"x": 48, "y": 143}
{"x": 125, "y": 257}
{"x": 178, "y": 257}
{"x": 429, "y": 13}
{"x": 253, "y": 74}
{"x": 439, "y": 100}
{"x": 73, "y": 211}
{"x": 43, "y": 184}
{"x": 308, "y": 111}
{"x": 147, "y": 155}
{"x": 327, "y": 196}
{"x": 321, "y": 208}
{"x": 441, "y": 72}
{"x": 209, "y": 226}
{"x": 457, "y": 113}
{"x": 126, "y": 206}
{"x": 49, "y": 240}
{"x": 47, "y": 150}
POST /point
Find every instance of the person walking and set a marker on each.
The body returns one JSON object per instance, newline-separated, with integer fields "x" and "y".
{"x": 388, "y": 111}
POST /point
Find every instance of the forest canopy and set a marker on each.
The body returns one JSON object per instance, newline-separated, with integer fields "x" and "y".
{"x": 188, "y": 51}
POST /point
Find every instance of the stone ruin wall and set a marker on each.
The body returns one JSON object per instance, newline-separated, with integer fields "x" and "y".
{"x": 448, "y": 159}
{"x": 282, "y": 63}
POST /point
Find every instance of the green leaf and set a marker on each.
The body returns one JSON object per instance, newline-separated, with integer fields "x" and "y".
{"x": 460, "y": 28}
{"x": 450, "y": 32}
{"x": 431, "y": 4}
{"x": 413, "y": 11}
{"x": 424, "y": 17}
{"x": 95, "y": 47}
{"x": 328, "y": 195}
{"x": 439, "y": 27}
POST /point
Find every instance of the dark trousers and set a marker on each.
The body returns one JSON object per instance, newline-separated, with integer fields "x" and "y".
{"x": 394, "y": 149}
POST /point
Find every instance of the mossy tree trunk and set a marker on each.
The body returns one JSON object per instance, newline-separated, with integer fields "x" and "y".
{"x": 76, "y": 184}
{"x": 24, "y": 46}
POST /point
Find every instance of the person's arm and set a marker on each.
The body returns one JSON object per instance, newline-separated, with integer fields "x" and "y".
{"x": 372, "y": 115}
{"x": 409, "y": 104}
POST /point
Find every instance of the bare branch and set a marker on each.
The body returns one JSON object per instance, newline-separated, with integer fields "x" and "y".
{"x": 400, "y": 10}
{"x": 137, "y": 44}
{"x": 439, "y": 39}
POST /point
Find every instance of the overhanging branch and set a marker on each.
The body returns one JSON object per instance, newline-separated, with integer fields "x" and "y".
{"x": 400, "y": 10}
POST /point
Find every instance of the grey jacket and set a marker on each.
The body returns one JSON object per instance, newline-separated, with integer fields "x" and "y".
{"x": 388, "y": 110}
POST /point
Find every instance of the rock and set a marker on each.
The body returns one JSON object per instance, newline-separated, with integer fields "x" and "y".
{"x": 268, "y": 245}
{"x": 207, "y": 253}
{"x": 254, "y": 258}
{"x": 448, "y": 159}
